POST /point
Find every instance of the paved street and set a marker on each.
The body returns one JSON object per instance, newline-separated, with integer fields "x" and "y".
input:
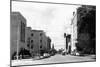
{"x": 54, "y": 59}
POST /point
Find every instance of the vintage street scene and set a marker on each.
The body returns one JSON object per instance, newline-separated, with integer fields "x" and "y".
{"x": 51, "y": 33}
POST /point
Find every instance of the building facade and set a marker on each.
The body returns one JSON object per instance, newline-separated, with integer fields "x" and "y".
{"x": 83, "y": 30}
{"x": 17, "y": 30}
{"x": 38, "y": 42}
{"x": 28, "y": 38}
{"x": 25, "y": 41}
{"x": 74, "y": 32}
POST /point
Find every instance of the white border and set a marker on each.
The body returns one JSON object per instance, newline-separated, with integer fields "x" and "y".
{"x": 5, "y": 34}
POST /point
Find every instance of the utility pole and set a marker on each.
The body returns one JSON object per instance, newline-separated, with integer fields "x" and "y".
{"x": 65, "y": 41}
{"x": 17, "y": 42}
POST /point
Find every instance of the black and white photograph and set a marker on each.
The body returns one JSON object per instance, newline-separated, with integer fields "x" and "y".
{"x": 51, "y": 33}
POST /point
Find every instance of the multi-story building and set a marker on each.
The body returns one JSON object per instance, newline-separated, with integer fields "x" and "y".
{"x": 83, "y": 30}
{"x": 18, "y": 24}
{"x": 38, "y": 42}
{"x": 74, "y": 32}
{"x": 48, "y": 43}
{"x": 25, "y": 41}
{"x": 28, "y": 38}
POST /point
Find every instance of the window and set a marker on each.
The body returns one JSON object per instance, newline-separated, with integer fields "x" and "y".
{"x": 40, "y": 41}
{"x": 28, "y": 40}
{"x": 28, "y": 45}
{"x": 31, "y": 46}
{"x": 32, "y": 34}
{"x": 40, "y": 46}
{"x": 40, "y": 34}
{"x": 31, "y": 41}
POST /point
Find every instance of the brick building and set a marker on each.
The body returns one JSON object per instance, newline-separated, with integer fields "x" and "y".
{"x": 38, "y": 42}
{"x": 28, "y": 38}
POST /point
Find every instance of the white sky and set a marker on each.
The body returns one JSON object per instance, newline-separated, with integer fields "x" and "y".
{"x": 54, "y": 19}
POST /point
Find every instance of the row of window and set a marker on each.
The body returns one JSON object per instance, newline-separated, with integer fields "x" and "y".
{"x": 28, "y": 41}
{"x": 28, "y": 45}
{"x": 22, "y": 38}
{"x": 32, "y": 43}
{"x": 33, "y": 34}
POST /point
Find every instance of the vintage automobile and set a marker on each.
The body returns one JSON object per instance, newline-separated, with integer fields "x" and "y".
{"x": 46, "y": 55}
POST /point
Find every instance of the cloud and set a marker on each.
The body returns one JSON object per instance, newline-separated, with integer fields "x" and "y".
{"x": 53, "y": 19}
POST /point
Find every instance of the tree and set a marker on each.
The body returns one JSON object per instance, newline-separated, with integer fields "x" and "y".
{"x": 86, "y": 25}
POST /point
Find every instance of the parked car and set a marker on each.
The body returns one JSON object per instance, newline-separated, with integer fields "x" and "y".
{"x": 41, "y": 57}
{"x": 76, "y": 54}
{"x": 45, "y": 55}
{"x": 64, "y": 53}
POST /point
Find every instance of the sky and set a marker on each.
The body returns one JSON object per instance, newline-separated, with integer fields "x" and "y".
{"x": 54, "y": 19}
